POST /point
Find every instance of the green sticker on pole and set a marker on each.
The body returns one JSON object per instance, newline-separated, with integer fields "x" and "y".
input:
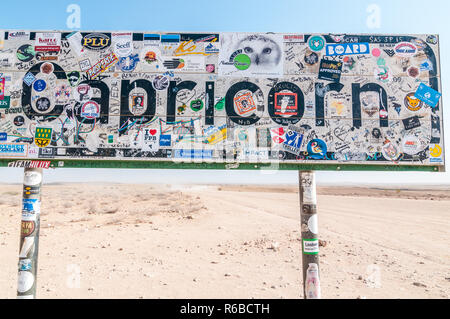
{"x": 310, "y": 246}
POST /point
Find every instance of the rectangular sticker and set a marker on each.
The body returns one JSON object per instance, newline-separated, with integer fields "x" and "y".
{"x": 310, "y": 246}
{"x": 347, "y": 48}
{"x": 427, "y": 95}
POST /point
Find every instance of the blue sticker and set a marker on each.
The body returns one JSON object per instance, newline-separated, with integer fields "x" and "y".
{"x": 39, "y": 85}
{"x": 127, "y": 64}
{"x": 165, "y": 140}
{"x": 347, "y": 48}
{"x": 316, "y": 43}
{"x": 24, "y": 264}
{"x": 29, "y": 78}
{"x": 293, "y": 141}
{"x": 3, "y": 136}
{"x": 191, "y": 153}
{"x": 427, "y": 95}
{"x": 317, "y": 149}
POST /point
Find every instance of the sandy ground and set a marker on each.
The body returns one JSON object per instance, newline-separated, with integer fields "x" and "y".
{"x": 151, "y": 241}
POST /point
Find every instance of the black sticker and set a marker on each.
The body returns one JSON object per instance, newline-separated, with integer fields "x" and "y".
{"x": 330, "y": 70}
{"x": 411, "y": 122}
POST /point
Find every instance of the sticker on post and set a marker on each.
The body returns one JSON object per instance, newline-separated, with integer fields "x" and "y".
{"x": 310, "y": 246}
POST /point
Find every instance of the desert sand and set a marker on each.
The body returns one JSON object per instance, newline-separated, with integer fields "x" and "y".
{"x": 235, "y": 241}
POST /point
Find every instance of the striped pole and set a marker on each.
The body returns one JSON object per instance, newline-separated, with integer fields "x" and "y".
{"x": 29, "y": 233}
{"x": 309, "y": 230}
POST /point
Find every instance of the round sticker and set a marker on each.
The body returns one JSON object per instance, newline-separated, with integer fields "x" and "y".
{"x": 410, "y": 144}
{"x": 313, "y": 225}
{"x": 19, "y": 120}
{"x": 128, "y": 64}
{"x": 317, "y": 149}
{"x": 39, "y": 85}
{"x": 412, "y": 103}
{"x": 43, "y": 104}
{"x": 90, "y": 110}
{"x": 196, "y": 105}
{"x": 25, "y": 282}
{"x": 150, "y": 57}
{"x": 413, "y": 71}
{"x": 311, "y": 58}
{"x": 316, "y": 43}
{"x": 47, "y": 68}
{"x": 25, "y": 53}
{"x": 242, "y": 61}
{"x": 160, "y": 82}
{"x": 32, "y": 178}
{"x": 390, "y": 150}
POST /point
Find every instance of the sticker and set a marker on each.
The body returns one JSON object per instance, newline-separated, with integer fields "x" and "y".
{"x": 15, "y": 35}
{"x": 150, "y": 141}
{"x": 24, "y": 264}
{"x": 31, "y": 207}
{"x": 74, "y": 78}
{"x": 427, "y": 95}
{"x": 74, "y": 40}
{"x": 123, "y": 43}
{"x": 3, "y": 136}
{"x": 244, "y": 103}
{"x": 160, "y": 82}
{"x": 48, "y": 41}
{"x": 165, "y": 140}
{"x": 390, "y": 150}
{"x": 27, "y": 247}
{"x": 410, "y": 144}
{"x": 47, "y": 68}
{"x": 128, "y": 64}
{"x": 102, "y": 65}
{"x": 313, "y": 224}
{"x": 413, "y": 71}
{"x": 294, "y": 38}
{"x": 85, "y": 65}
{"x": 150, "y": 57}
{"x": 29, "y": 78}
{"x": 310, "y": 246}
{"x": 43, "y": 136}
{"x": 62, "y": 94}
{"x": 32, "y": 178}
{"x": 432, "y": 39}
{"x": 25, "y": 53}
{"x": 405, "y": 49}
{"x": 27, "y": 227}
{"x": 311, "y": 58}
{"x": 312, "y": 282}
{"x": 137, "y": 104}
{"x": 96, "y": 41}
{"x": 25, "y": 282}
{"x": 43, "y": 104}
{"x": 39, "y": 85}
{"x": 411, "y": 122}
{"x": 19, "y": 120}
{"x": 192, "y": 153}
{"x": 330, "y": 70}
{"x": 317, "y": 149}
{"x": 13, "y": 150}
{"x": 286, "y": 103}
{"x": 316, "y": 43}
{"x": 196, "y": 105}
{"x": 5, "y": 103}
{"x": 29, "y": 190}
{"x": 435, "y": 151}
{"x": 90, "y": 110}
{"x": 293, "y": 141}
{"x": 412, "y": 103}
{"x": 252, "y": 55}
{"x": 210, "y": 68}
{"x": 347, "y": 49}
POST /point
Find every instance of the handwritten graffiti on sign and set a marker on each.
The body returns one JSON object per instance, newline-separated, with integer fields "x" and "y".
{"x": 221, "y": 97}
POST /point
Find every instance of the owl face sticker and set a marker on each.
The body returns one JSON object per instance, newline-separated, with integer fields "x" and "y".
{"x": 252, "y": 55}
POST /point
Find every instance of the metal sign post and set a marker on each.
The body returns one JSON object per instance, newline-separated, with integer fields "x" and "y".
{"x": 309, "y": 230}
{"x": 29, "y": 233}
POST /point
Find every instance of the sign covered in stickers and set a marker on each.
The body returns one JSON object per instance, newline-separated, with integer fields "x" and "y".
{"x": 323, "y": 100}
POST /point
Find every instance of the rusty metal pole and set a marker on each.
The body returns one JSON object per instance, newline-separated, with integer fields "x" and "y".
{"x": 29, "y": 233}
{"x": 309, "y": 230}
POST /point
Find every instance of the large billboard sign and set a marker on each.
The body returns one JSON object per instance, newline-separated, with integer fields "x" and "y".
{"x": 220, "y": 100}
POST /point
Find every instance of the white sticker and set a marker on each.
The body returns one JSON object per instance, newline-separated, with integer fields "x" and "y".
{"x": 310, "y": 246}
{"x": 32, "y": 178}
{"x": 27, "y": 245}
{"x": 312, "y": 224}
{"x": 25, "y": 282}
